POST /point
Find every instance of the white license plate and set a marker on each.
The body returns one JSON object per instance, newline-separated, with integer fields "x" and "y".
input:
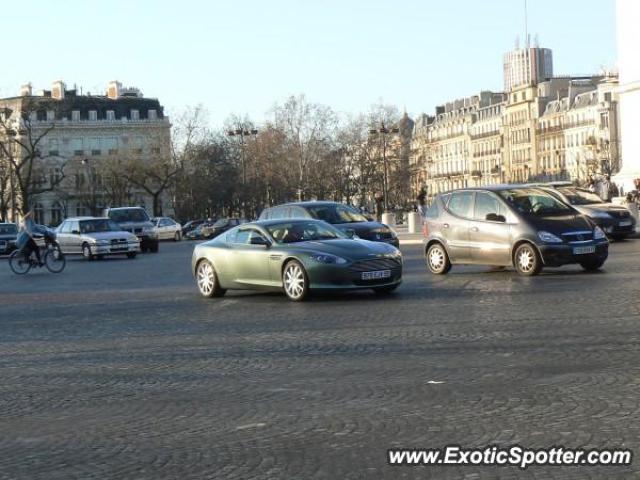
{"x": 583, "y": 250}
{"x": 625, "y": 223}
{"x": 376, "y": 275}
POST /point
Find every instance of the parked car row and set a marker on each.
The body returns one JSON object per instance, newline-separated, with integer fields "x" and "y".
{"x": 8, "y": 237}
{"x": 306, "y": 246}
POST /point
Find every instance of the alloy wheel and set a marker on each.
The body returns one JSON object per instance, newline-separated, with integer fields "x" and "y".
{"x": 526, "y": 260}
{"x": 295, "y": 282}
{"x": 206, "y": 279}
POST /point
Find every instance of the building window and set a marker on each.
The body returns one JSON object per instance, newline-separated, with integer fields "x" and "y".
{"x": 75, "y": 115}
{"x": 135, "y": 115}
{"x": 93, "y": 115}
{"x": 56, "y": 214}
{"x": 152, "y": 115}
{"x": 111, "y": 115}
{"x": 51, "y": 115}
{"x": 38, "y": 214}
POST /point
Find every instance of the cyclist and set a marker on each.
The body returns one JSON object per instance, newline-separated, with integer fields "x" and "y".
{"x": 25, "y": 241}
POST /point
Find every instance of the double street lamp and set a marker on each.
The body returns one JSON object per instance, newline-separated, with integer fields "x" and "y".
{"x": 241, "y": 134}
{"x": 382, "y": 132}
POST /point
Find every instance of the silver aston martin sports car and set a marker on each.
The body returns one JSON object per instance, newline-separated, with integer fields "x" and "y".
{"x": 296, "y": 256}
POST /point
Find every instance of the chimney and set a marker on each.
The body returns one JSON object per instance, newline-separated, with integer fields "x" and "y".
{"x": 26, "y": 90}
{"x": 57, "y": 90}
{"x": 113, "y": 90}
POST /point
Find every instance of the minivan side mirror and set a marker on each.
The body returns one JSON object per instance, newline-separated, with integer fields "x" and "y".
{"x": 494, "y": 217}
{"x": 350, "y": 232}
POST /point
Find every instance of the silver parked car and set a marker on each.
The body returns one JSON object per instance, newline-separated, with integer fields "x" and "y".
{"x": 167, "y": 228}
{"x": 94, "y": 237}
{"x": 506, "y": 225}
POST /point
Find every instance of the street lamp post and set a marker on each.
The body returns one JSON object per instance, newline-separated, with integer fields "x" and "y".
{"x": 383, "y": 131}
{"x": 241, "y": 134}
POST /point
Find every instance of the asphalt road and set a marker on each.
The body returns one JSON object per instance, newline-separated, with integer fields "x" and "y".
{"x": 119, "y": 369}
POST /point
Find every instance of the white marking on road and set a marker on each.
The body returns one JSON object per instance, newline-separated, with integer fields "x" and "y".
{"x": 251, "y": 425}
{"x": 434, "y": 382}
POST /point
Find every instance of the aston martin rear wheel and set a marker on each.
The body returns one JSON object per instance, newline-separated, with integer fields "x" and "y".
{"x": 207, "y": 280}
{"x": 295, "y": 281}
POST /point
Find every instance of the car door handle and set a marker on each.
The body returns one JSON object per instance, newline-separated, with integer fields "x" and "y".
{"x": 445, "y": 225}
{"x": 474, "y": 229}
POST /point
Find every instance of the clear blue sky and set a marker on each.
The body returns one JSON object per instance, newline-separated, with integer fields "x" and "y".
{"x": 242, "y": 57}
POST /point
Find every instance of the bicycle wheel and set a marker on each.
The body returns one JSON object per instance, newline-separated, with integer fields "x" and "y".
{"x": 19, "y": 265}
{"x": 54, "y": 259}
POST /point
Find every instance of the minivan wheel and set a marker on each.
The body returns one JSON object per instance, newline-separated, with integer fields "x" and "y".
{"x": 438, "y": 260}
{"x": 527, "y": 260}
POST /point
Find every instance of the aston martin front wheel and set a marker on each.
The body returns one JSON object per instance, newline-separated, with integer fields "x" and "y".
{"x": 295, "y": 281}
{"x": 207, "y": 280}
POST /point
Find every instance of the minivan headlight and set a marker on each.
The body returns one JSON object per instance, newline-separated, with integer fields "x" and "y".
{"x": 549, "y": 237}
{"x": 598, "y": 234}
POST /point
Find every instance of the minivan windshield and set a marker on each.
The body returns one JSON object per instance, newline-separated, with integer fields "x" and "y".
{"x": 129, "y": 215}
{"x": 580, "y": 197}
{"x": 336, "y": 213}
{"x": 531, "y": 201}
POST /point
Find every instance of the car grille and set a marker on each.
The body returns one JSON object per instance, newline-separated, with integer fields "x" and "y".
{"x": 576, "y": 237}
{"x": 619, "y": 213}
{"x": 119, "y": 244}
{"x": 373, "y": 235}
{"x": 375, "y": 265}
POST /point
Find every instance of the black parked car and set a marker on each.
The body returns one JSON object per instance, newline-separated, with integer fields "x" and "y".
{"x": 341, "y": 216}
{"x": 191, "y": 225}
{"x": 8, "y": 236}
{"x": 616, "y": 220}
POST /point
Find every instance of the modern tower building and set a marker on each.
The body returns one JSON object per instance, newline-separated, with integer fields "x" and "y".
{"x": 527, "y": 66}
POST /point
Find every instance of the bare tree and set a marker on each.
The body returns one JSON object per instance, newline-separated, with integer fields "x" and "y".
{"x": 309, "y": 129}
{"x": 21, "y": 134}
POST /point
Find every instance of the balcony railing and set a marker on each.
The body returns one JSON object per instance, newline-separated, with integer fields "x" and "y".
{"x": 478, "y": 136}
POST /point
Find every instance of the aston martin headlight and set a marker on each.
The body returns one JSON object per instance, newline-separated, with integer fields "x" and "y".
{"x": 548, "y": 237}
{"x": 327, "y": 259}
{"x": 598, "y": 234}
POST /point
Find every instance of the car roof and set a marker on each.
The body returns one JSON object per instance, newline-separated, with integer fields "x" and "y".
{"x": 8, "y": 223}
{"x": 493, "y": 188}
{"x": 266, "y": 223}
{"x": 309, "y": 203}
{"x": 124, "y": 208}
{"x": 85, "y": 218}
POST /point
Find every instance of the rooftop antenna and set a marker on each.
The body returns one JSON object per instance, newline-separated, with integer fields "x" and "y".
{"x": 526, "y": 25}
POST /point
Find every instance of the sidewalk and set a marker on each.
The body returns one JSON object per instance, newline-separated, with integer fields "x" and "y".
{"x": 407, "y": 238}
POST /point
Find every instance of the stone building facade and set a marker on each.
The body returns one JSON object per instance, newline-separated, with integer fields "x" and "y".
{"x": 79, "y": 134}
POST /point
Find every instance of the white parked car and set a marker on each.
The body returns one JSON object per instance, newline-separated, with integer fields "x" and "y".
{"x": 94, "y": 237}
{"x": 167, "y": 229}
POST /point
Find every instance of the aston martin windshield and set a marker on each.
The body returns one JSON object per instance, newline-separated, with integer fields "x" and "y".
{"x": 580, "y": 197}
{"x": 293, "y": 232}
{"x": 531, "y": 201}
{"x": 334, "y": 214}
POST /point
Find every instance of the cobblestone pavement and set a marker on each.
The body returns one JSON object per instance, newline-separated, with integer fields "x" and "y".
{"x": 118, "y": 369}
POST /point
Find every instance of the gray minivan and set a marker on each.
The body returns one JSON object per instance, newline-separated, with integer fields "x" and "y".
{"x": 506, "y": 225}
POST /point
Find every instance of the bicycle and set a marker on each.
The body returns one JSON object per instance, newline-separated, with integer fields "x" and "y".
{"x": 52, "y": 258}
